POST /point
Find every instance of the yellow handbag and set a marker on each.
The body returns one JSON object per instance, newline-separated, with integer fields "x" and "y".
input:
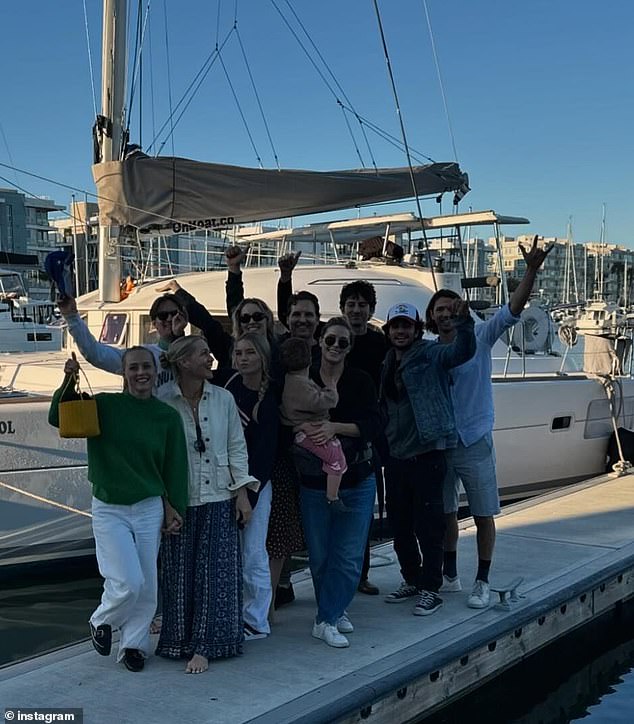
{"x": 78, "y": 418}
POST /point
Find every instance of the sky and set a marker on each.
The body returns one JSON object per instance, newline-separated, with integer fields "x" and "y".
{"x": 540, "y": 96}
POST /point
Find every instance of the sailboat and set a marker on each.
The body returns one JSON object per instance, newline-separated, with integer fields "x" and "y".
{"x": 44, "y": 493}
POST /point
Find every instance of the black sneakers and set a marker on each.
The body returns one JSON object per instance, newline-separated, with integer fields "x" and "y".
{"x": 428, "y": 603}
{"x": 133, "y": 660}
{"x": 101, "y": 637}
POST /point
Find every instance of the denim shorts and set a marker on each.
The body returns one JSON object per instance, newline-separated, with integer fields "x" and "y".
{"x": 475, "y": 467}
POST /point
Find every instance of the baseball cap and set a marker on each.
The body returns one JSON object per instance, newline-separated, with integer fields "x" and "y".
{"x": 403, "y": 309}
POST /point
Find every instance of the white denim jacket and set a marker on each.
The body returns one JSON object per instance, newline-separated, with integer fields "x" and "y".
{"x": 223, "y": 468}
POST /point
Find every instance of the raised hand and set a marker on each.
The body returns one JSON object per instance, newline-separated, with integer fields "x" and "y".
{"x": 67, "y": 305}
{"x": 535, "y": 256}
{"x": 171, "y": 286}
{"x": 179, "y": 322}
{"x": 286, "y": 263}
{"x": 234, "y": 256}
{"x": 71, "y": 367}
{"x": 461, "y": 309}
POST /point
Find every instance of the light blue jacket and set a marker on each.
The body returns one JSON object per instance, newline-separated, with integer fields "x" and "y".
{"x": 424, "y": 370}
{"x": 105, "y": 356}
{"x": 471, "y": 388}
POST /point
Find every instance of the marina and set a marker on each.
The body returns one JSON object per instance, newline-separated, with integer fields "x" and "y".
{"x": 572, "y": 548}
{"x": 562, "y": 368}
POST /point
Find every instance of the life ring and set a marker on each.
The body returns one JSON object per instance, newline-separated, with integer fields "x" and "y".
{"x": 536, "y": 329}
{"x": 567, "y": 335}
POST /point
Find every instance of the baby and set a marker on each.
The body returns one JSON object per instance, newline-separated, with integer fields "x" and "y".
{"x": 305, "y": 401}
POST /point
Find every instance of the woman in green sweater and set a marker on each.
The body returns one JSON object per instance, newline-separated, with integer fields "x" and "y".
{"x": 138, "y": 469}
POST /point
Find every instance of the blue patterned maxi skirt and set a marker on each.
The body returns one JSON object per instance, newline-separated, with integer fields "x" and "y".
{"x": 202, "y": 586}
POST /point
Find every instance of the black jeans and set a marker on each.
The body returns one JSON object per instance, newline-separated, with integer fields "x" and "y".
{"x": 416, "y": 514}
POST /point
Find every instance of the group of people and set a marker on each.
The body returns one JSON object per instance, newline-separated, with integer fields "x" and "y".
{"x": 278, "y": 449}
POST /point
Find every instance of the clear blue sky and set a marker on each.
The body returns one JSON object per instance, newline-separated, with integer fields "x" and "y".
{"x": 541, "y": 95}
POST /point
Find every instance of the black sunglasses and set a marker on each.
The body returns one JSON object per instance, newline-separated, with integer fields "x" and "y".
{"x": 256, "y": 317}
{"x": 341, "y": 342}
{"x": 199, "y": 443}
{"x": 164, "y": 316}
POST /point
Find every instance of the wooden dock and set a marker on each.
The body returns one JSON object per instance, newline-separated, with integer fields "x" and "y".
{"x": 574, "y": 548}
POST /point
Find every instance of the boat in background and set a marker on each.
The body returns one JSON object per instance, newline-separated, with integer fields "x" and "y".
{"x": 26, "y": 325}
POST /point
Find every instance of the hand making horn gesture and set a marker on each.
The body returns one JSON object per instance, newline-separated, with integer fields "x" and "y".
{"x": 535, "y": 256}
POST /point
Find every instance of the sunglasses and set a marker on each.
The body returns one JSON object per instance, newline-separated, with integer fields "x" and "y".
{"x": 199, "y": 443}
{"x": 164, "y": 316}
{"x": 341, "y": 342}
{"x": 256, "y": 317}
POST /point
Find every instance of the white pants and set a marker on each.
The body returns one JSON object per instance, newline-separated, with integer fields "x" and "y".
{"x": 256, "y": 573}
{"x": 127, "y": 539}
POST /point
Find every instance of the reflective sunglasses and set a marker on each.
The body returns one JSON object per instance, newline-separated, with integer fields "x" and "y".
{"x": 256, "y": 317}
{"x": 341, "y": 342}
{"x": 199, "y": 443}
{"x": 164, "y": 316}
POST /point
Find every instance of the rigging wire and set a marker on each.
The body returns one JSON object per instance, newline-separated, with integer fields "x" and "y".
{"x": 240, "y": 111}
{"x": 332, "y": 75}
{"x": 364, "y": 122}
{"x": 6, "y": 144}
{"x": 195, "y": 85}
{"x": 440, "y": 80}
{"x": 312, "y": 62}
{"x": 138, "y": 54}
{"x": 169, "y": 85}
{"x": 218, "y": 23}
{"x": 152, "y": 106}
{"x": 90, "y": 65}
{"x": 257, "y": 95}
{"x": 407, "y": 153}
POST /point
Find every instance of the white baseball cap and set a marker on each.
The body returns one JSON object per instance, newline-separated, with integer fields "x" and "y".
{"x": 403, "y": 309}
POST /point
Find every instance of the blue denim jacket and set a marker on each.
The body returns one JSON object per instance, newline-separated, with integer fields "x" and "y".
{"x": 424, "y": 367}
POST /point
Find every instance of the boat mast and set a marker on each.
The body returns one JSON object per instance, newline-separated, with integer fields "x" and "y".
{"x": 110, "y": 134}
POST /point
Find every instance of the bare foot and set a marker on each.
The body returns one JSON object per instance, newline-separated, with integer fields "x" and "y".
{"x": 197, "y": 664}
{"x": 155, "y": 626}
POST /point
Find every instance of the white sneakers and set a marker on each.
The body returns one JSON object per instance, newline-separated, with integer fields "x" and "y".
{"x": 330, "y": 635}
{"x": 344, "y": 624}
{"x": 450, "y": 585}
{"x": 480, "y": 595}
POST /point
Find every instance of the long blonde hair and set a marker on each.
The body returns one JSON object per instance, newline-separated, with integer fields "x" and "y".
{"x": 263, "y": 348}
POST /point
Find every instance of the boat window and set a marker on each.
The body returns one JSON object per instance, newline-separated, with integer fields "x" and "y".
{"x": 113, "y": 329}
{"x": 148, "y": 333}
{"x": 599, "y": 421}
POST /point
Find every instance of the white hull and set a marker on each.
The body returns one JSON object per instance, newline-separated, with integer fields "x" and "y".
{"x": 44, "y": 493}
{"x": 45, "y": 496}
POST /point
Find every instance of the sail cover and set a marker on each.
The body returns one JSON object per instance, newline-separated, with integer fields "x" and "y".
{"x": 186, "y": 195}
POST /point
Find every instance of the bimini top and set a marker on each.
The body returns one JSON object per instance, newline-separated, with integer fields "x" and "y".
{"x": 349, "y": 231}
{"x": 186, "y": 195}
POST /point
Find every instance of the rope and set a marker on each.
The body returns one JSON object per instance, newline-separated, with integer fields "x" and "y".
{"x": 610, "y": 384}
{"x": 92, "y": 72}
{"x": 403, "y": 134}
{"x": 42, "y": 499}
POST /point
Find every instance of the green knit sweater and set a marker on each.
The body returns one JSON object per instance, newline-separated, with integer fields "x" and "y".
{"x": 140, "y": 452}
